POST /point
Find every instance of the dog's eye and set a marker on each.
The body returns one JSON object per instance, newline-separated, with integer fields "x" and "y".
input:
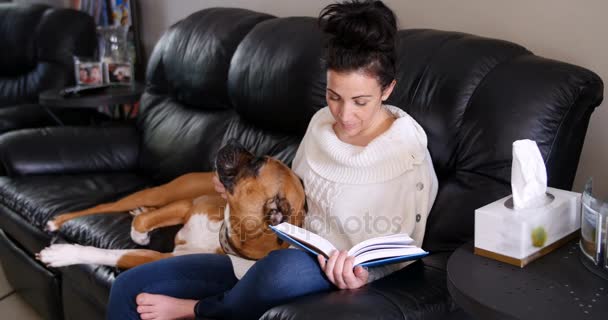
{"x": 273, "y": 212}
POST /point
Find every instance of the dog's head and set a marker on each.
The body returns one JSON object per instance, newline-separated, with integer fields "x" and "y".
{"x": 260, "y": 191}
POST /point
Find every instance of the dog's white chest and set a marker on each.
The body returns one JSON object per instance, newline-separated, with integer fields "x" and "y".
{"x": 199, "y": 234}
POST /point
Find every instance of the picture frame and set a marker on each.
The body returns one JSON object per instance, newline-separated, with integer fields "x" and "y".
{"x": 118, "y": 72}
{"x": 88, "y": 72}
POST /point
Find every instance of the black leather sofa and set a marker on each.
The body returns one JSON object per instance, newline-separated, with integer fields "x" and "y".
{"x": 38, "y": 45}
{"x": 230, "y": 73}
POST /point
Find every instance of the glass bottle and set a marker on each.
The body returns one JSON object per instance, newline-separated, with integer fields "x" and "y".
{"x": 594, "y": 223}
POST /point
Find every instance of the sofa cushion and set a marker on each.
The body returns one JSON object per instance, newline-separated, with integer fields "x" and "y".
{"x": 277, "y": 80}
{"x": 262, "y": 142}
{"x": 34, "y": 116}
{"x": 17, "y": 25}
{"x": 38, "y": 46}
{"x": 418, "y": 291}
{"x": 437, "y": 92}
{"x": 178, "y": 140}
{"x": 33, "y": 200}
{"x": 186, "y": 107}
{"x": 63, "y": 34}
{"x": 191, "y": 62}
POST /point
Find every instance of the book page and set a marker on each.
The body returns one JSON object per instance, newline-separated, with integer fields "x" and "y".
{"x": 386, "y": 253}
{"x": 380, "y": 246}
{"x": 307, "y": 238}
{"x": 394, "y": 239}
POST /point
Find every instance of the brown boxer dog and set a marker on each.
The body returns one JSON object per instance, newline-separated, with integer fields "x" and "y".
{"x": 260, "y": 191}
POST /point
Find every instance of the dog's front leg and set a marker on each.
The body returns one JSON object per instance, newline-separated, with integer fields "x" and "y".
{"x": 169, "y": 215}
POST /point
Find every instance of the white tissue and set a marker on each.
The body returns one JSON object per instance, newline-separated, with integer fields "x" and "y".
{"x": 528, "y": 176}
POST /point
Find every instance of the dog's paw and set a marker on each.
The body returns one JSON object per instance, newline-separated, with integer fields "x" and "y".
{"x": 141, "y": 238}
{"x": 139, "y": 210}
{"x": 60, "y": 255}
{"x": 52, "y": 226}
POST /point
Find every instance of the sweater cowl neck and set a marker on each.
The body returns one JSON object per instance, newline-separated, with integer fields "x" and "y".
{"x": 388, "y": 156}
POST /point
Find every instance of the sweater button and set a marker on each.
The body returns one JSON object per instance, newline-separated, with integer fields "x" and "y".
{"x": 418, "y": 217}
{"x": 419, "y": 186}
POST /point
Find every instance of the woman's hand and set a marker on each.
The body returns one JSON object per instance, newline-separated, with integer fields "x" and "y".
{"x": 219, "y": 187}
{"x": 339, "y": 270}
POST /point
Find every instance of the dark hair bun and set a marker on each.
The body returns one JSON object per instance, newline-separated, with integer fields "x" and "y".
{"x": 359, "y": 25}
{"x": 361, "y": 37}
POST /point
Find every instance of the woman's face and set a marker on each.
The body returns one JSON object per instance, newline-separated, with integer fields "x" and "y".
{"x": 355, "y": 101}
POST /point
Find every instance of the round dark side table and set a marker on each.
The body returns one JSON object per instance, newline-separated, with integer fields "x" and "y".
{"x": 556, "y": 286}
{"x": 110, "y": 96}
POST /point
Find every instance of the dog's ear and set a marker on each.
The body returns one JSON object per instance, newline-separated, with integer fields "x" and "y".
{"x": 285, "y": 208}
{"x": 278, "y": 209}
{"x": 285, "y": 211}
{"x": 230, "y": 159}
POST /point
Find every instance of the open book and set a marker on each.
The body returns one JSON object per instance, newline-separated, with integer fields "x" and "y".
{"x": 369, "y": 253}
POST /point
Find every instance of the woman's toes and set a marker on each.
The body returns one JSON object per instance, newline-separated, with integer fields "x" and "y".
{"x": 143, "y": 299}
{"x": 147, "y": 316}
{"x": 145, "y": 309}
{"x": 158, "y": 306}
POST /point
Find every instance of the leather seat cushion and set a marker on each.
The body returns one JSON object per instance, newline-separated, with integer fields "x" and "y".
{"x": 27, "y": 203}
{"x": 418, "y": 291}
{"x": 34, "y": 116}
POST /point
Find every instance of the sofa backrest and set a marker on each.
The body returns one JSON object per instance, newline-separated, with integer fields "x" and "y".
{"x": 276, "y": 84}
{"x": 17, "y": 24}
{"x": 38, "y": 46}
{"x": 245, "y": 75}
{"x": 186, "y": 109}
{"x": 232, "y": 73}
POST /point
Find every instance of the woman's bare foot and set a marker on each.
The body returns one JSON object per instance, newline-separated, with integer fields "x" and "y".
{"x": 160, "y": 307}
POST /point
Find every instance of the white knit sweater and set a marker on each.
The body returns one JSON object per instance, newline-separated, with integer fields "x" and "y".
{"x": 356, "y": 193}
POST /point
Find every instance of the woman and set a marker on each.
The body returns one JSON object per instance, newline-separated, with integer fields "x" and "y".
{"x": 361, "y": 161}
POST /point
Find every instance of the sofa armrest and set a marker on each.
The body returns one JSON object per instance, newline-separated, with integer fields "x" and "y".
{"x": 68, "y": 150}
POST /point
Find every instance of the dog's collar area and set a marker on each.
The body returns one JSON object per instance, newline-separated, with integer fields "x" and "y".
{"x": 225, "y": 242}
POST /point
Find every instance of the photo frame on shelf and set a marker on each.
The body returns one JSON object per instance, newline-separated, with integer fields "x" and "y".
{"x": 118, "y": 72}
{"x": 88, "y": 72}
{"x": 114, "y": 14}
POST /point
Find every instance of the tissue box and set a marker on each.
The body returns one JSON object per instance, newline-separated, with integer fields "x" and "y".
{"x": 518, "y": 237}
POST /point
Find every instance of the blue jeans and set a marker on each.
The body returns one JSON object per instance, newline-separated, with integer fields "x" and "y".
{"x": 276, "y": 279}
